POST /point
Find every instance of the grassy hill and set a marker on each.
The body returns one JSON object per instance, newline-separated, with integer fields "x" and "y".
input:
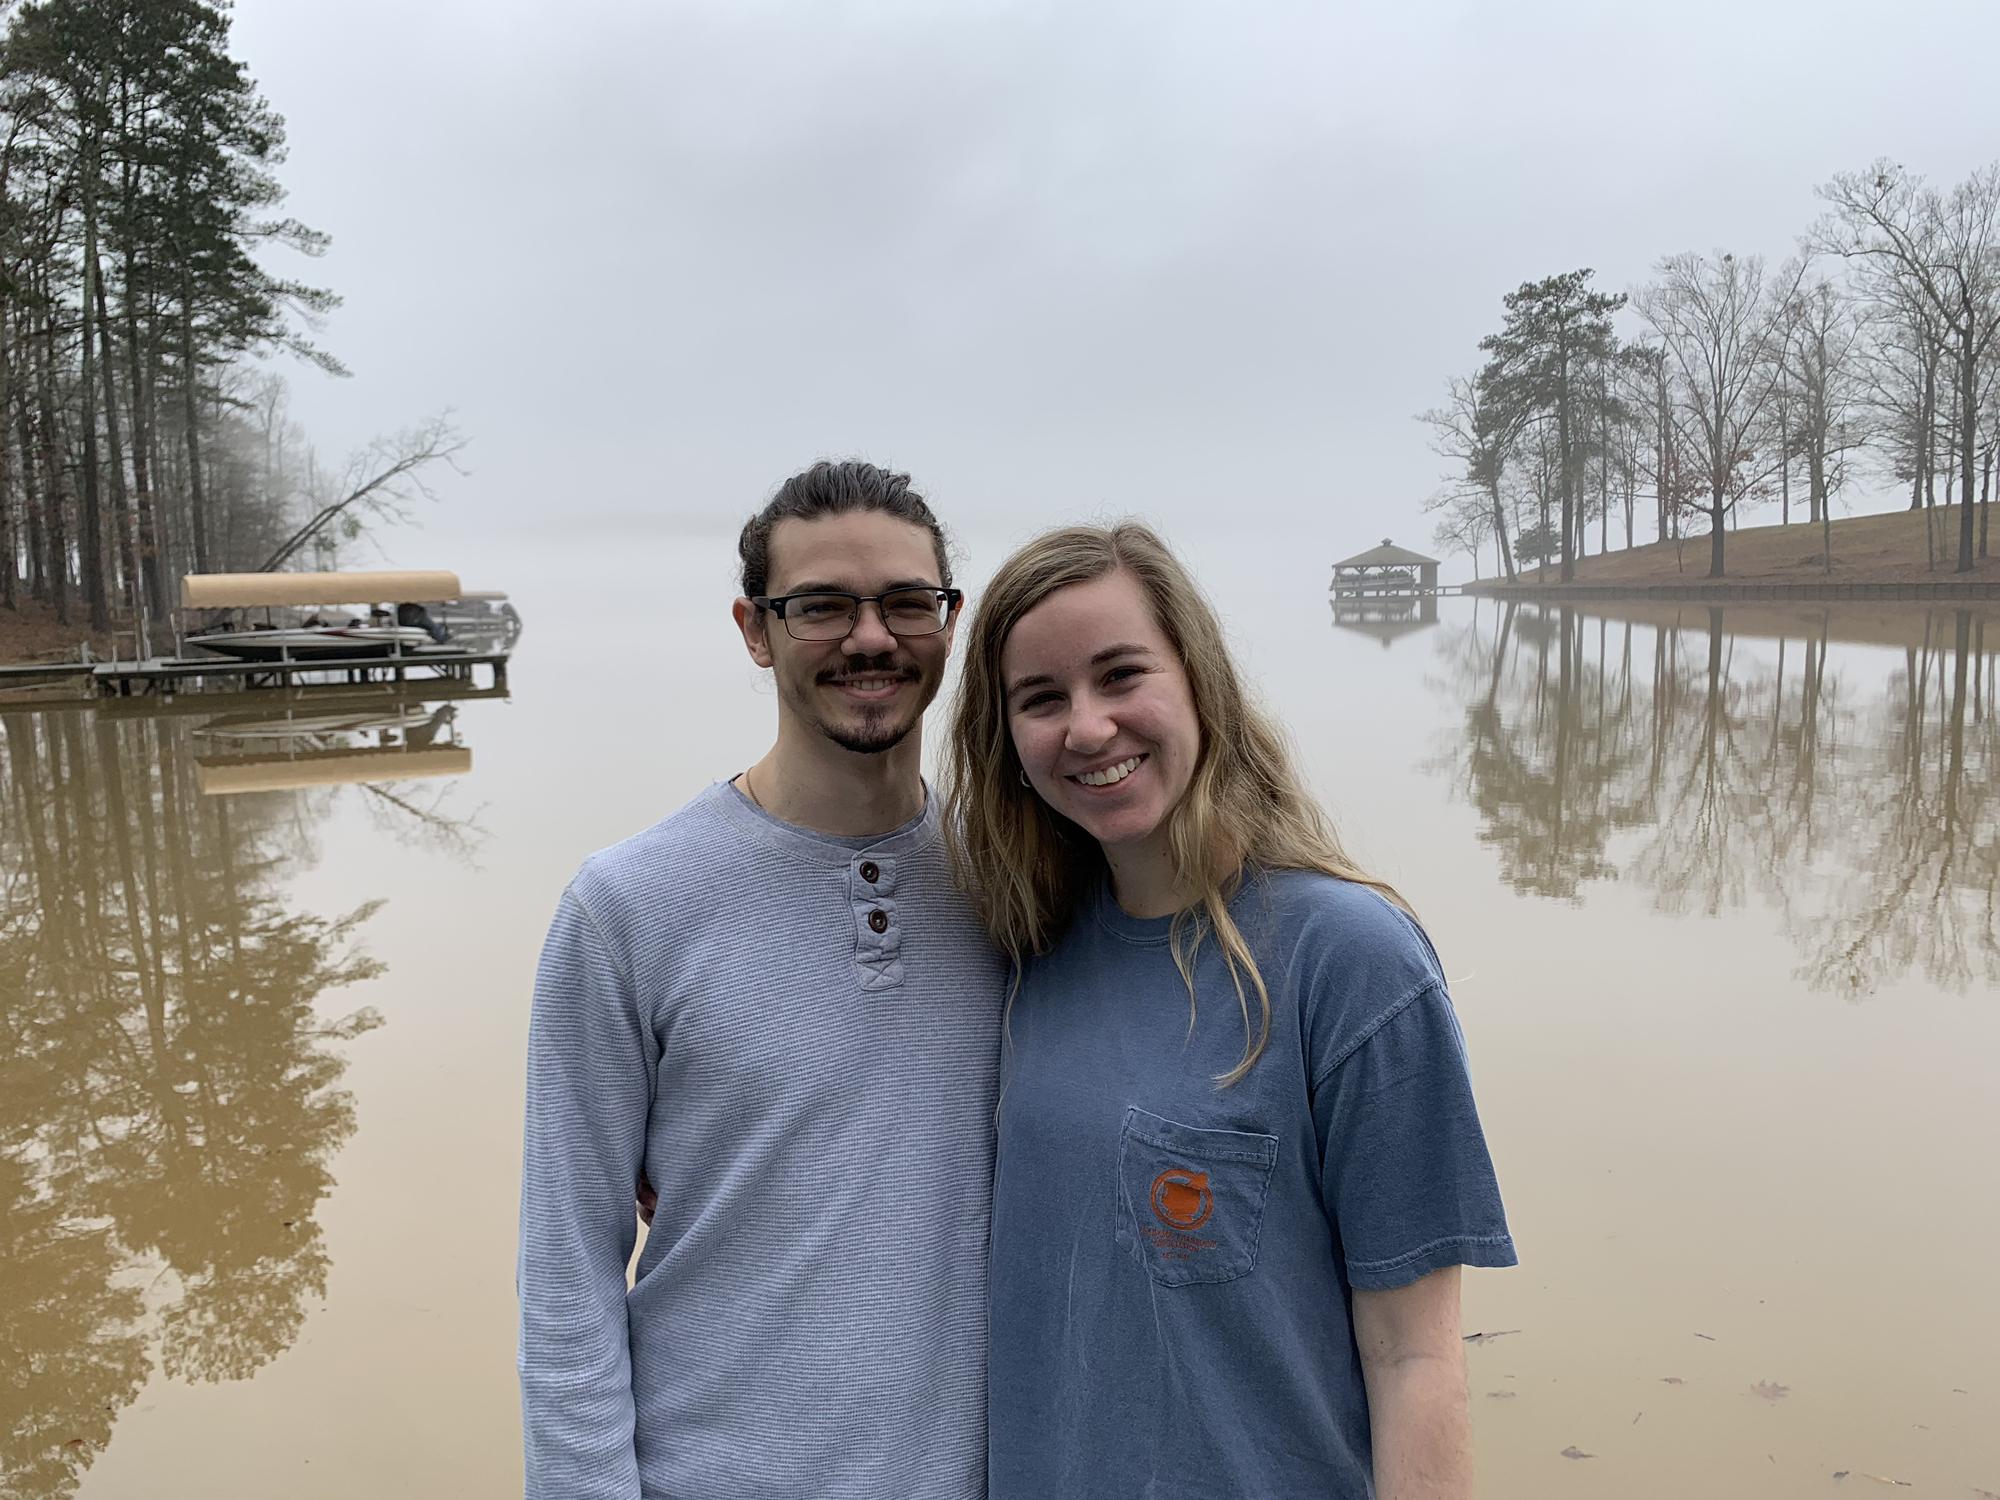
{"x": 1886, "y": 548}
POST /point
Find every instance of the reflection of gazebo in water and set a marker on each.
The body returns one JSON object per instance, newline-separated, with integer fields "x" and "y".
{"x": 1385, "y": 592}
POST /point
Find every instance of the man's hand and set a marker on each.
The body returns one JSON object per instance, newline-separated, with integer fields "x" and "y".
{"x": 648, "y": 1201}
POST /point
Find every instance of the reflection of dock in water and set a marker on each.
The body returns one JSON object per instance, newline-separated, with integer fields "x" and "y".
{"x": 330, "y": 737}
{"x": 1386, "y": 618}
{"x": 226, "y": 775}
{"x": 1386, "y": 592}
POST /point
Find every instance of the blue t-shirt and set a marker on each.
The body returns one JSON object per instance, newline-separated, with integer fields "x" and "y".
{"x": 1172, "y": 1259}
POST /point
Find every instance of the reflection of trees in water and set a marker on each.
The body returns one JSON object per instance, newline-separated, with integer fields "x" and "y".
{"x": 1925, "y": 862}
{"x": 1871, "y": 824}
{"x": 170, "y": 1100}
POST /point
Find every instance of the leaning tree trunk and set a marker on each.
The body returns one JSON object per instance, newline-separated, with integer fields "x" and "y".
{"x": 1500, "y": 525}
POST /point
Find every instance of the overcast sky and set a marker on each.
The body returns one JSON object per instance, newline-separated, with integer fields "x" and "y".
{"x": 1203, "y": 262}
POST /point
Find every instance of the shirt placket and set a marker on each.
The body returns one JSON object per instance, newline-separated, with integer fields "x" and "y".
{"x": 878, "y": 935}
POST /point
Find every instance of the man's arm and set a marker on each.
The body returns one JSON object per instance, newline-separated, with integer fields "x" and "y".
{"x": 1413, "y": 1363}
{"x": 591, "y": 1061}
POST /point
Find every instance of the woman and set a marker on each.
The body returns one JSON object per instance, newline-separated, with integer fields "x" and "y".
{"x": 1239, "y": 1163}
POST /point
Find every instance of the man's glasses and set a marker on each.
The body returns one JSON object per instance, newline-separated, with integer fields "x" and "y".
{"x": 831, "y": 616}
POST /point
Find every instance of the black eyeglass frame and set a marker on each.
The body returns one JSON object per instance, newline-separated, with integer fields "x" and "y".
{"x": 950, "y": 598}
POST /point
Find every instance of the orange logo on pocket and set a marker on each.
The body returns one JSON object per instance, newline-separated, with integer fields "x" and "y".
{"x": 1182, "y": 1198}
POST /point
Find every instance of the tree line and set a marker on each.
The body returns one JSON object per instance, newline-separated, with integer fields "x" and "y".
{"x": 142, "y": 432}
{"x": 1870, "y": 355}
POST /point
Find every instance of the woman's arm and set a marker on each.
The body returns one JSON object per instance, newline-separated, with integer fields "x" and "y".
{"x": 1413, "y": 1363}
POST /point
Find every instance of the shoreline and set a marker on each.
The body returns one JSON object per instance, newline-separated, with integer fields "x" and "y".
{"x": 1902, "y": 554}
{"x": 1724, "y": 591}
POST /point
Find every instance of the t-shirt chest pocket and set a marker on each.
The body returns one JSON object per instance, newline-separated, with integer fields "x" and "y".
{"x": 1191, "y": 1201}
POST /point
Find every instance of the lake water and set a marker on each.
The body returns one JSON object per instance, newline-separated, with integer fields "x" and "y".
{"x": 1716, "y": 890}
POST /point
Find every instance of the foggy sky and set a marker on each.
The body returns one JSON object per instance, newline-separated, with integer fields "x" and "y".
{"x": 1201, "y": 262}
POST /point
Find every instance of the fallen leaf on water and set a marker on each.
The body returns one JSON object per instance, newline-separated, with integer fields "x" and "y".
{"x": 1635, "y": 1419}
{"x": 1770, "y": 1390}
{"x": 1840, "y": 1473}
{"x": 1709, "y": 1336}
{"x": 1498, "y": 1333}
{"x": 1672, "y": 1380}
{"x": 1501, "y": 1395}
{"x": 1572, "y": 1451}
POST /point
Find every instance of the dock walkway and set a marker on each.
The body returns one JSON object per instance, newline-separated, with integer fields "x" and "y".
{"x": 166, "y": 674}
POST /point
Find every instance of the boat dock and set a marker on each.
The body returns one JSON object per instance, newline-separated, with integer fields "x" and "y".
{"x": 166, "y": 674}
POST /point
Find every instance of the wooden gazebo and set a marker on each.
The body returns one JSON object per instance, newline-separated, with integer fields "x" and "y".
{"x": 1384, "y": 571}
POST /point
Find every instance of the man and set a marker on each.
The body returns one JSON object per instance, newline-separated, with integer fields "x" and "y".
{"x": 774, "y": 1008}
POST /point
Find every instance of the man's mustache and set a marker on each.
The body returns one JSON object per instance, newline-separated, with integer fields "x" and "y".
{"x": 879, "y": 667}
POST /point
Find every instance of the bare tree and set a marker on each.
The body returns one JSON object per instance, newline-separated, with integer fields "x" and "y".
{"x": 1475, "y": 432}
{"x": 1818, "y": 349}
{"x": 1712, "y": 315}
{"x": 1943, "y": 250}
{"x": 1464, "y": 526}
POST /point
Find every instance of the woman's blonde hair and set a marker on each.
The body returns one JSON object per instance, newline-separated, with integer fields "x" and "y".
{"x": 1029, "y": 870}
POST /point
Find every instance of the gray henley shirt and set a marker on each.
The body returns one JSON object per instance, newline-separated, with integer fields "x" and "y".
{"x": 796, "y": 1038}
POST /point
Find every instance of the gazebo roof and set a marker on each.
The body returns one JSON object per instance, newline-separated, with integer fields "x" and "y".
{"x": 1386, "y": 554}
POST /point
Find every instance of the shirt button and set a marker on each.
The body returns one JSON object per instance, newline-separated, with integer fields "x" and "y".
{"x": 871, "y": 872}
{"x": 878, "y": 920}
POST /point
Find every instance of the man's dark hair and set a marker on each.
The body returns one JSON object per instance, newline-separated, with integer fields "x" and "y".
{"x": 834, "y": 489}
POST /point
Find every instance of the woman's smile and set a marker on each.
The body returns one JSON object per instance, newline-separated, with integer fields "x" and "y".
{"x": 1111, "y": 775}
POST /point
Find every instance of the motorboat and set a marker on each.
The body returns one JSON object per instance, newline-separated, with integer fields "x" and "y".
{"x": 314, "y": 642}
{"x": 308, "y": 617}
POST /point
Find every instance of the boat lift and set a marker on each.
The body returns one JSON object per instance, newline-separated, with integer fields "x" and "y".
{"x": 306, "y": 653}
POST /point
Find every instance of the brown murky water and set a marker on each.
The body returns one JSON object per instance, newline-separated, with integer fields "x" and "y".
{"x": 1717, "y": 892}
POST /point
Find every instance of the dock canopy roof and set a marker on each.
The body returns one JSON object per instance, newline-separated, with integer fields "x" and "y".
{"x": 251, "y": 590}
{"x": 1386, "y": 555}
